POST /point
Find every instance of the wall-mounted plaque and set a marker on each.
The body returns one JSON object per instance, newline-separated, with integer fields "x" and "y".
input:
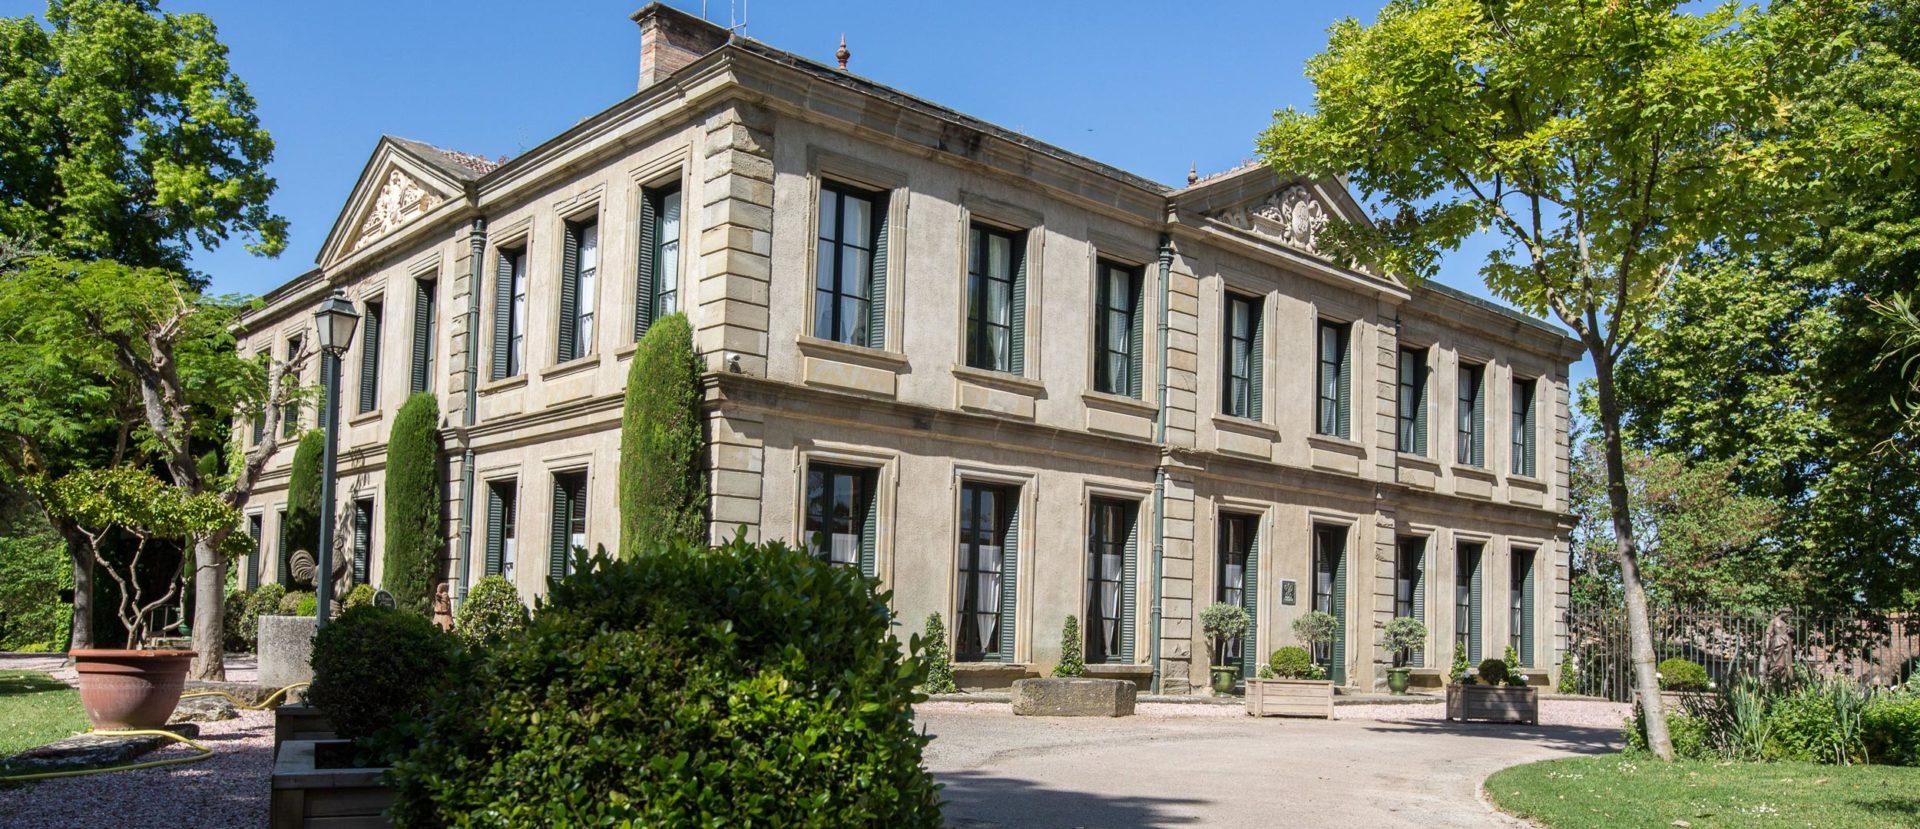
{"x": 1288, "y": 590}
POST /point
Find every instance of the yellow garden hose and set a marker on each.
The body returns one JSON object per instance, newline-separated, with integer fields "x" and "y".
{"x": 203, "y": 754}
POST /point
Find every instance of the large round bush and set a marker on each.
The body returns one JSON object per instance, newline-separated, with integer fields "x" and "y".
{"x": 1677, "y": 674}
{"x": 733, "y": 686}
{"x": 491, "y": 611}
{"x": 373, "y": 667}
{"x": 1290, "y": 662}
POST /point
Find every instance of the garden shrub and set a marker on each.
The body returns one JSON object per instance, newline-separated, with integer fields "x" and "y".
{"x": 1494, "y": 671}
{"x": 748, "y": 685}
{"x": 1890, "y": 727}
{"x": 233, "y": 623}
{"x": 1691, "y": 734}
{"x": 1222, "y": 622}
{"x": 491, "y": 612}
{"x": 34, "y": 568}
{"x": 412, "y": 554}
{"x": 265, "y": 601}
{"x": 662, "y": 464}
{"x": 1071, "y": 662}
{"x": 938, "y": 659}
{"x": 1817, "y": 721}
{"x": 296, "y": 603}
{"x": 1291, "y": 662}
{"x": 374, "y": 666}
{"x": 1569, "y": 675}
{"x": 1677, "y": 674}
{"x": 1461, "y": 670}
{"x": 360, "y": 596}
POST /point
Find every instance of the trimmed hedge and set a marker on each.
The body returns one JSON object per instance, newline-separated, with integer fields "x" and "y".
{"x": 360, "y": 596}
{"x": 1677, "y": 674}
{"x": 491, "y": 612}
{"x": 748, "y": 685}
{"x": 414, "y": 505}
{"x": 1291, "y": 662}
{"x": 938, "y": 659}
{"x": 374, "y": 667}
{"x": 1071, "y": 662}
{"x": 303, "y": 498}
{"x": 662, "y": 469}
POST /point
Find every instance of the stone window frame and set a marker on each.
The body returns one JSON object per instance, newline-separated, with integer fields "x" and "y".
{"x": 1142, "y": 498}
{"x": 673, "y": 171}
{"x": 1428, "y": 353}
{"x": 1266, "y": 524}
{"x": 1027, "y": 501}
{"x": 370, "y": 294}
{"x": 886, "y": 467}
{"x": 1352, "y": 527}
{"x": 1267, "y": 300}
{"x": 587, "y": 208}
{"x": 1029, "y": 228}
{"x": 521, "y": 237}
{"x": 828, "y": 168}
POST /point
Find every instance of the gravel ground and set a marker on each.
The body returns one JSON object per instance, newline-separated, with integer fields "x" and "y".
{"x": 229, "y": 790}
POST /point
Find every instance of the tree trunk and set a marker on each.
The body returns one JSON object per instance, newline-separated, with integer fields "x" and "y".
{"x": 1627, "y": 551}
{"x": 209, "y": 610}
{"x": 81, "y": 635}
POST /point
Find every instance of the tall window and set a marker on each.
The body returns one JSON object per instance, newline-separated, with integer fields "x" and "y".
{"x": 1241, "y": 369}
{"x": 1522, "y": 425}
{"x": 284, "y": 568}
{"x": 362, "y": 539}
{"x": 1466, "y": 602}
{"x": 1334, "y": 366}
{"x": 1329, "y": 596}
{"x": 1472, "y": 416}
{"x": 290, "y": 413}
{"x": 255, "y": 530}
{"x": 425, "y": 329}
{"x": 510, "y": 314}
{"x": 1413, "y": 401}
{"x": 659, "y": 281}
{"x": 260, "y": 415}
{"x": 840, "y": 514}
{"x": 569, "y": 536}
{"x": 502, "y": 529}
{"x": 1116, "y": 331}
{"x": 370, "y": 324}
{"x": 1520, "y": 606}
{"x": 992, "y": 260}
{"x": 1409, "y": 592}
{"x": 1110, "y": 550}
{"x": 579, "y": 287}
{"x": 846, "y": 263}
{"x": 986, "y": 512}
{"x": 1234, "y": 579}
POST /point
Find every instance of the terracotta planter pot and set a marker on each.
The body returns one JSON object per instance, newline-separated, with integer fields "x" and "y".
{"x": 124, "y": 690}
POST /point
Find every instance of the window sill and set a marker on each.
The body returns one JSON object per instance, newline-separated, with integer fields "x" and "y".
{"x": 570, "y": 367}
{"x": 1478, "y": 473}
{"x": 504, "y": 383}
{"x": 1119, "y": 403}
{"x": 990, "y": 667}
{"x": 1111, "y": 670}
{"x": 1336, "y": 444}
{"x": 844, "y": 352}
{"x": 1419, "y": 462}
{"x": 365, "y": 418}
{"x": 1527, "y": 482}
{"x": 1246, "y": 426}
{"x": 1002, "y": 380}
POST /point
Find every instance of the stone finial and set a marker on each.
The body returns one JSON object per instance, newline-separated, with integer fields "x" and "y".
{"x": 1193, "y": 174}
{"x": 841, "y": 54}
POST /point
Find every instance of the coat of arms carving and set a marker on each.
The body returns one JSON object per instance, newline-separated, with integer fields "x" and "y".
{"x": 400, "y": 199}
{"x": 1292, "y": 217}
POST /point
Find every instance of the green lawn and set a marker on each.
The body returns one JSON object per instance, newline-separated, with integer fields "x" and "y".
{"x": 1634, "y": 790}
{"x": 36, "y": 709}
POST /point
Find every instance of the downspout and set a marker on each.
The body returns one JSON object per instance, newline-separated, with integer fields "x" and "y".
{"x": 1160, "y": 468}
{"x": 477, "y": 248}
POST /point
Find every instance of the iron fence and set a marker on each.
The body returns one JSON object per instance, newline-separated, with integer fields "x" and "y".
{"x": 1879, "y": 650}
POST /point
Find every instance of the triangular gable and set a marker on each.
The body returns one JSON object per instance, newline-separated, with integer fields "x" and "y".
{"x": 1287, "y": 211}
{"x": 397, "y": 186}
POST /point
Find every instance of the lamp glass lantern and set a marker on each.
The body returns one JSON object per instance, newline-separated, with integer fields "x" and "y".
{"x": 335, "y": 321}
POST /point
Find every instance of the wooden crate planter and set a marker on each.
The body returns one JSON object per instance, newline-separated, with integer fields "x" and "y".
{"x": 1493, "y": 703}
{"x": 1290, "y": 698}
{"x": 307, "y": 797}
{"x": 300, "y": 721}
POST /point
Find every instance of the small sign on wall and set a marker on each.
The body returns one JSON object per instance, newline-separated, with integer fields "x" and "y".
{"x": 1288, "y": 589}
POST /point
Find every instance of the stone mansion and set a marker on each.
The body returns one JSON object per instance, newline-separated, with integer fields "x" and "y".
{"x": 1011, "y": 383}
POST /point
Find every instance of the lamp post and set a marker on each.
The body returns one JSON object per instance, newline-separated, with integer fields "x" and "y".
{"x": 334, "y": 322}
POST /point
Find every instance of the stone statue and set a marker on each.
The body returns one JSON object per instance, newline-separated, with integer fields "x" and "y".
{"x": 443, "y": 607}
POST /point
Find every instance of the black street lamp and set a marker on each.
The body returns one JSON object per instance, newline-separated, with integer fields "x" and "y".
{"x": 334, "y": 321}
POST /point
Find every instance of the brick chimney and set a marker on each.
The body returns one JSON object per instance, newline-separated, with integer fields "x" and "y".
{"x": 670, "y": 39}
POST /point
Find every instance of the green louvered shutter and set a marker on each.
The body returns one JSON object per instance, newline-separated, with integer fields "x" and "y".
{"x": 1017, "y": 336}
{"x": 1480, "y": 418}
{"x": 421, "y": 360}
{"x": 251, "y": 578}
{"x": 1250, "y": 600}
{"x": 496, "y": 521}
{"x": 877, "y": 278}
{"x": 370, "y": 358}
{"x": 643, "y": 282}
{"x": 1420, "y": 405}
{"x": 870, "y": 531}
{"x": 362, "y": 539}
{"x": 569, "y": 293}
{"x": 1009, "y": 575}
{"x": 285, "y": 570}
{"x": 1476, "y": 600}
{"x": 502, "y": 313}
{"x": 1419, "y": 655}
{"x": 1343, "y": 386}
{"x": 1137, "y": 337}
{"x": 1526, "y": 612}
{"x": 1129, "y": 590}
{"x": 557, "y": 551}
{"x": 1257, "y": 370}
{"x": 1338, "y": 671}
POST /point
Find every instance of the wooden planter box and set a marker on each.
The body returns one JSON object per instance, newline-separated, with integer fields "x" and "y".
{"x": 305, "y": 797}
{"x": 1493, "y": 703}
{"x": 1290, "y": 698}
{"x": 300, "y": 721}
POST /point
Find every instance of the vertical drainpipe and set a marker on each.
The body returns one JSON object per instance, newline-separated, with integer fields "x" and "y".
{"x": 477, "y": 248}
{"x": 1160, "y": 468}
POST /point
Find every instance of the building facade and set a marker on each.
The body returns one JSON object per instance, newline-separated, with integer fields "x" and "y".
{"x": 1009, "y": 382}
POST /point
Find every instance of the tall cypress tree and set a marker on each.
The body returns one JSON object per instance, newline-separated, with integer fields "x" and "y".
{"x": 414, "y": 505}
{"x": 662, "y": 471}
{"x": 303, "y": 499}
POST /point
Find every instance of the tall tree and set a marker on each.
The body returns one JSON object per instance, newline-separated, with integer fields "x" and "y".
{"x": 412, "y": 560}
{"x": 303, "y": 495}
{"x": 125, "y": 135}
{"x": 663, "y": 494}
{"x": 1601, "y": 143}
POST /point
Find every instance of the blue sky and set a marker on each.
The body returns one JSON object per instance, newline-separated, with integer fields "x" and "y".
{"x": 1149, "y": 87}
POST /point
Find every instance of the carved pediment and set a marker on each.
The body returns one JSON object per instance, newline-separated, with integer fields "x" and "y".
{"x": 1292, "y": 217}
{"x": 401, "y": 199}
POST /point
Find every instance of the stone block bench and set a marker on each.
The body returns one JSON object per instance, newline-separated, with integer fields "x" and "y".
{"x": 1061, "y": 697}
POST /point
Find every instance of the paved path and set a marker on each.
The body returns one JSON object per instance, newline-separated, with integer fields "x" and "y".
{"x": 1211, "y": 770}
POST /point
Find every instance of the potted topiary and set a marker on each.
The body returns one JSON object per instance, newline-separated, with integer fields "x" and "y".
{"x": 1684, "y": 684}
{"x": 1316, "y": 628}
{"x": 1223, "y": 623}
{"x": 1501, "y": 694}
{"x": 1404, "y": 633}
{"x": 1290, "y": 685}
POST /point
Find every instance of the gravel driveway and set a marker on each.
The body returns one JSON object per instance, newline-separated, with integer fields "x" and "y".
{"x": 1203, "y": 765}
